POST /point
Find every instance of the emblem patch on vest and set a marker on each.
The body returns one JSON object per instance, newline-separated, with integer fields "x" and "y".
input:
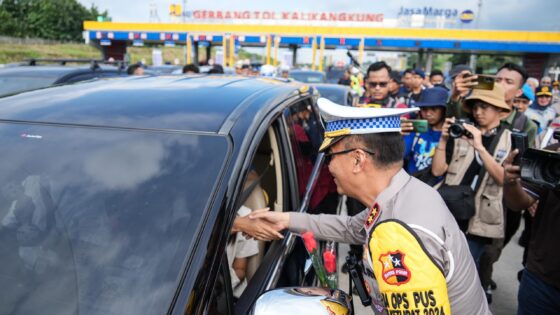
{"x": 394, "y": 272}
{"x": 372, "y": 216}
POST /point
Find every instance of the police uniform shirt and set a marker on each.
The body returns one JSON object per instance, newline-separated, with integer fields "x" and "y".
{"x": 413, "y": 202}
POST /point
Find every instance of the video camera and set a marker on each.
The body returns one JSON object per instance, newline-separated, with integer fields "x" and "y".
{"x": 542, "y": 167}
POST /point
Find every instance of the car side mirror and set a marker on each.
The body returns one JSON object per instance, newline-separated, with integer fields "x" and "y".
{"x": 303, "y": 300}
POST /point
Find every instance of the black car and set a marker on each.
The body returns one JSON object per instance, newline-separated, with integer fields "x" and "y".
{"x": 118, "y": 197}
{"x": 29, "y": 77}
{"x": 339, "y": 94}
{"x": 308, "y": 76}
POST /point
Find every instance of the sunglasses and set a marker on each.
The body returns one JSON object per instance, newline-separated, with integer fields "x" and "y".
{"x": 329, "y": 156}
{"x": 375, "y": 84}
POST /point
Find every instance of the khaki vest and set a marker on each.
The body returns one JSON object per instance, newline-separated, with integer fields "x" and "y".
{"x": 488, "y": 220}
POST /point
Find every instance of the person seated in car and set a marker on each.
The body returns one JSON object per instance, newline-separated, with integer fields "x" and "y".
{"x": 243, "y": 242}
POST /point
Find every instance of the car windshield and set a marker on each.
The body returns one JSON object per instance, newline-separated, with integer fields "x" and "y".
{"x": 98, "y": 221}
{"x": 308, "y": 77}
{"x": 15, "y": 84}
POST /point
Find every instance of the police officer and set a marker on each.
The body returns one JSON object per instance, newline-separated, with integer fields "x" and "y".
{"x": 418, "y": 256}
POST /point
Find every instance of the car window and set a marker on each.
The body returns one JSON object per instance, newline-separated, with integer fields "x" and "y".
{"x": 308, "y": 77}
{"x": 305, "y": 131}
{"x": 96, "y": 221}
{"x": 14, "y": 84}
{"x": 337, "y": 96}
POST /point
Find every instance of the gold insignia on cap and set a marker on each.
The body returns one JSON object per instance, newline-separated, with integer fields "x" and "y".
{"x": 326, "y": 143}
{"x": 545, "y": 89}
{"x": 337, "y": 133}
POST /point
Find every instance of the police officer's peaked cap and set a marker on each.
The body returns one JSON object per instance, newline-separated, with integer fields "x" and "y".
{"x": 344, "y": 120}
{"x": 544, "y": 90}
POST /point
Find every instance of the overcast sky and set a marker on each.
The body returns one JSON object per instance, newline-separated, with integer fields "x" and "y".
{"x": 495, "y": 14}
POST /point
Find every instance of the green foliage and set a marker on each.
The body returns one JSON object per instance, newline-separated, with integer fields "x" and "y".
{"x": 53, "y": 19}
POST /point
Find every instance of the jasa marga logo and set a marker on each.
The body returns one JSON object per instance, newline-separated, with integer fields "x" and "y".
{"x": 429, "y": 12}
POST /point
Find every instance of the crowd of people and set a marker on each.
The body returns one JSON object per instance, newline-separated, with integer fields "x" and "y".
{"x": 468, "y": 169}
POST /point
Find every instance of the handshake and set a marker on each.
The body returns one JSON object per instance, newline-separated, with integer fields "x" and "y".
{"x": 262, "y": 224}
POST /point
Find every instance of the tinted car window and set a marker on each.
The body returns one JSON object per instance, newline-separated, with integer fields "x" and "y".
{"x": 96, "y": 221}
{"x": 13, "y": 84}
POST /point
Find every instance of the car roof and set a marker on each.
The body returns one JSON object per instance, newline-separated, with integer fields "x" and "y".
{"x": 51, "y": 70}
{"x": 180, "y": 103}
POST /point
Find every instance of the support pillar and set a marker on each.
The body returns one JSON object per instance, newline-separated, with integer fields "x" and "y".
{"x": 294, "y": 55}
{"x": 276, "y": 46}
{"x": 313, "y": 53}
{"x": 321, "y": 52}
{"x": 429, "y": 61}
{"x": 189, "y": 50}
{"x": 268, "y": 43}
{"x": 231, "y": 50}
{"x": 420, "y": 61}
{"x": 196, "y": 54}
{"x": 208, "y": 52}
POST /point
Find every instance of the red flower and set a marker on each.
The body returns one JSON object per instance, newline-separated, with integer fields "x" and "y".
{"x": 309, "y": 241}
{"x": 329, "y": 259}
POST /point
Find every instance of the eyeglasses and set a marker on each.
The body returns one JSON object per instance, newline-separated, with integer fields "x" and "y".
{"x": 329, "y": 156}
{"x": 375, "y": 84}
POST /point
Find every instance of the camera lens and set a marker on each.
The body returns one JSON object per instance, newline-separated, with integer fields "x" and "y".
{"x": 456, "y": 130}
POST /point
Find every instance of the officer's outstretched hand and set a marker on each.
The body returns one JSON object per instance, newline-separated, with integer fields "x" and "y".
{"x": 277, "y": 220}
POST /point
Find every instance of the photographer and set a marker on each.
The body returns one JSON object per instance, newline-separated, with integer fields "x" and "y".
{"x": 472, "y": 157}
{"x": 539, "y": 291}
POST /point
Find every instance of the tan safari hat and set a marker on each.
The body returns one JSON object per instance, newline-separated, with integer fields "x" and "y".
{"x": 494, "y": 97}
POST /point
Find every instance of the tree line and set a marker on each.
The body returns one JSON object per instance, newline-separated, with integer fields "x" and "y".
{"x": 52, "y": 19}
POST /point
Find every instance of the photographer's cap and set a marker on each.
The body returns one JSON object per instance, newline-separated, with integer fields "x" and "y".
{"x": 344, "y": 120}
{"x": 494, "y": 97}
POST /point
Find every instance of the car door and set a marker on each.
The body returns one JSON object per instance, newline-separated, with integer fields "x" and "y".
{"x": 284, "y": 263}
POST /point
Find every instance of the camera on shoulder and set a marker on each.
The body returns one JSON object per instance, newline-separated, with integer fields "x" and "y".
{"x": 542, "y": 167}
{"x": 457, "y": 130}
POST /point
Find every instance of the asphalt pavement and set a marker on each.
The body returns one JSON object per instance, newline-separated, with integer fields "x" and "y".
{"x": 505, "y": 275}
